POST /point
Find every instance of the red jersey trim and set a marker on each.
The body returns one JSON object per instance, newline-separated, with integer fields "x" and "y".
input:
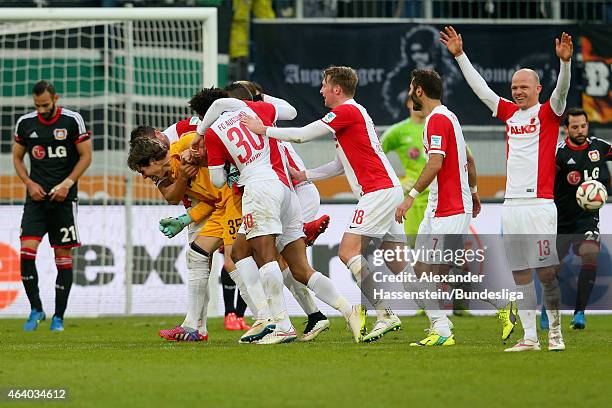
{"x": 53, "y": 119}
{"x": 583, "y": 146}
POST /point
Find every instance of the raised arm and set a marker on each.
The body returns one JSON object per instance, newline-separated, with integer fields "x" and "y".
{"x": 454, "y": 44}
{"x": 564, "y": 49}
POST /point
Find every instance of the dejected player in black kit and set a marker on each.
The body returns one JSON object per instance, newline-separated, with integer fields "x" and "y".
{"x": 579, "y": 158}
{"x": 59, "y": 148}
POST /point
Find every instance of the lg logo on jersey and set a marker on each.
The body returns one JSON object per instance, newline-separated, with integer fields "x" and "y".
{"x": 39, "y": 152}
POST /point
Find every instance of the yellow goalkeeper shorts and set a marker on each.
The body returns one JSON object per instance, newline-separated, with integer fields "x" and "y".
{"x": 225, "y": 220}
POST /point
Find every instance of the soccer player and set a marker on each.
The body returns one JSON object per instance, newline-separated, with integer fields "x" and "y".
{"x": 310, "y": 202}
{"x": 271, "y": 213}
{"x": 529, "y": 216}
{"x": 59, "y": 147}
{"x": 453, "y": 197}
{"x": 405, "y": 139}
{"x": 579, "y": 158}
{"x": 372, "y": 179}
{"x": 234, "y": 309}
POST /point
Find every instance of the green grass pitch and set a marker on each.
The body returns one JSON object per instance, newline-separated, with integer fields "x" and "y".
{"x": 117, "y": 362}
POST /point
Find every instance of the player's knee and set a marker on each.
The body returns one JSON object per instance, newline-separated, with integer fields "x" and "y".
{"x": 197, "y": 258}
{"x": 28, "y": 253}
{"x": 547, "y": 274}
{"x": 589, "y": 252}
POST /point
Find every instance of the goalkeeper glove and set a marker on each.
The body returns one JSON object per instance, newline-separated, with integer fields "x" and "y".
{"x": 171, "y": 226}
{"x": 232, "y": 176}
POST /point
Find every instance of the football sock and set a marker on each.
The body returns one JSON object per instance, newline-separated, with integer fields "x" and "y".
{"x": 300, "y": 293}
{"x": 437, "y": 318}
{"x": 240, "y": 306}
{"x": 249, "y": 272}
{"x": 358, "y": 265}
{"x": 325, "y": 290}
{"x": 29, "y": 277}
{"x": 551, "y": 295}
{"x": 204, "y": 313}
{"x": 272, "y": 280}
{"x": 244, "y": 299}
{"x": 586, "y": 282}
{"x": 229, "y": 288}
{"x": 63, "y": 283}
{"x": 527, "y": 310}
{"x": 198, "y": 272}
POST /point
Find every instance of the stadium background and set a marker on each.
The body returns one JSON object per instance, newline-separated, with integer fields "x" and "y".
{"x": 125, "y": 265}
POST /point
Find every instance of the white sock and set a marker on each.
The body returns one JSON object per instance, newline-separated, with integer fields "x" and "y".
{"x": 527, "y": 310}
{"x": 358, "y": 265}
{"x": 272, "y": 280}
{"x": 204, "y": 314}
{"x": 243, "y": 290}
{"x": 437, "y": 318}
{"x": 198, "y": 273}
{"x": 551, "y": 295}
{"x": 300, "y": 293}
{"x": 249, "y": 272}
{"x": 497, "y": 303}
{"x": 324, "y": 289}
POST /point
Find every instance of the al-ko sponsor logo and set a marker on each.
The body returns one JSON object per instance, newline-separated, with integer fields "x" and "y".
{"x": 10, "y": 275}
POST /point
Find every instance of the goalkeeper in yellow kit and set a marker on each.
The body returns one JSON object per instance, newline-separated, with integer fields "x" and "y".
{"x": 215, "y": 212}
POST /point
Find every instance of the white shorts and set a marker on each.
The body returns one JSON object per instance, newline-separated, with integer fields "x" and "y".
{"x": 271, "y": 208}
{"x": 530, "y": 231}
{"x": 438, "y": 236}
{"x": 374, "y": 215}
{"x": 310, "y": 200}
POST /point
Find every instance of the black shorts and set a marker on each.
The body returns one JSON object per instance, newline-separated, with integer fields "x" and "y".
{"x": 582, "y": 231}
{"x": 58, "y": 219}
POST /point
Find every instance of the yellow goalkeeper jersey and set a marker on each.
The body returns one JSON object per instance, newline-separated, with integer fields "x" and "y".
{"x": 200, "y": 188}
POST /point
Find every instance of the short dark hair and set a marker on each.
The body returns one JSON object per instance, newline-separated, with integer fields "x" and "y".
{"x": 201, "y": 101}
{"x": 41, "y": 87}
{"x": 239, "y": 91}
{"x": 345, "y": 77}
{"x": 574, "y": 112}
{"x": 253, "y": 87}
{"x": 429, "y": 81}
{"x": 144, "y": 147}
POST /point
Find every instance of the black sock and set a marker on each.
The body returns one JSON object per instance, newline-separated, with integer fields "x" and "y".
{"x": 29, "y": 277}
{"x": 63, "y": 283}
{"x": 586, "y": 281}
{"x": 240, "y": 306}
{"x": 229, "y": 288}
{"x": 316, "y": 316}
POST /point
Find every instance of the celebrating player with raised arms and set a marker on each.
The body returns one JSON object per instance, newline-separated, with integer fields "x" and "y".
{"x": 529, "y": 215}
{"x": 371, "y": 176}
{"x": 579, "y": 158}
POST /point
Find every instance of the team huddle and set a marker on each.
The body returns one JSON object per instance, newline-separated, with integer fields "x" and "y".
{"x": 246, "y": 190}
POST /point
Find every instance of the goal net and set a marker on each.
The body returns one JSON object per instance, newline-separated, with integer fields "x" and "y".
{"x": 118, "y": 68}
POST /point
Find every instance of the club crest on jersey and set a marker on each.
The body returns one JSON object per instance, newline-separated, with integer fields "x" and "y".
{"x": 436, "y": 142}
{"x": 194, "y": 121}
{"x": 329, "y": 117}
{"x": 573, "y": 177}
{"x": 60, "y": 134}
{"x": 594, "y": 155}
{"x": 38, "y": 152}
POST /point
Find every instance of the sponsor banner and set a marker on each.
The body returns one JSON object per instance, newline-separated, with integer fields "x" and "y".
{"x": 158, "y": 281}
{"x": 290, "y": 66}
{"x": 597, "y": 60}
